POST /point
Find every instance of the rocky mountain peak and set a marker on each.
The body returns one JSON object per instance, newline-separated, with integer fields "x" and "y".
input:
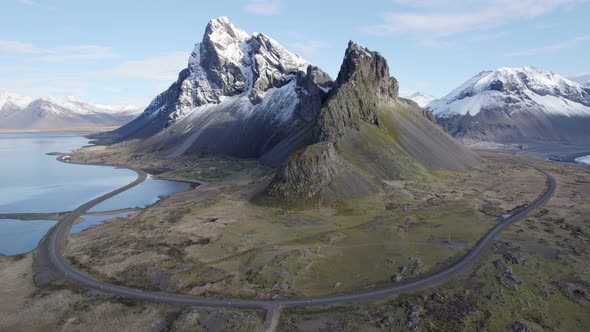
{"x": 222, "y": 28}
{"x": 229, "y": 62}
{"x": 362, "y": 84}
{"x": 361, "y": 64}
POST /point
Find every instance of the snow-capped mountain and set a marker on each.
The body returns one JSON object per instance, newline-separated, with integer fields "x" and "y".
{"x": 422, "y": 99}
{"x": 13, "y": 100}
{"x": 20, "y": 112}
{"x": 240, "y": 94}
{"x": 516, "y": 105}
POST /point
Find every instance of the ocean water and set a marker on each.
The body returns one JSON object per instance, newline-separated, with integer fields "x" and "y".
{"x": 20, "y": 236}
{"x": 33, "y": 182}
{"x": 93, "y": 220}
{"x": 142, "y": 195}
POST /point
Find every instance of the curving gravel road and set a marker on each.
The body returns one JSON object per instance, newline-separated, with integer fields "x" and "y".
{"x": 58, "y": 236}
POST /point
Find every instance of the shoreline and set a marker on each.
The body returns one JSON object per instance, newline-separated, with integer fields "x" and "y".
{"x": 80, "y": 131}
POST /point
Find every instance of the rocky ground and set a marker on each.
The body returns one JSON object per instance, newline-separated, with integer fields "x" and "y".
{"x": 534, "y": 279}
{"x": 218, "y": 240}
{"x": 60, "y": 306}
{"x": 221, "y": 240}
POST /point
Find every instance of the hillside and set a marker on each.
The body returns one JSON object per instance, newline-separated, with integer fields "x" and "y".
{"x": 364, "y": 135}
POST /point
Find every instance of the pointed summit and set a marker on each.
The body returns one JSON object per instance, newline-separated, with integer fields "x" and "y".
{"x": 221, "y": 32}
{"x": 368, "y": 66}
{"x": 363, "y": 82}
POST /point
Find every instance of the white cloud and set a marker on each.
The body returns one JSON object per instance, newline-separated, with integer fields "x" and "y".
{"x": 308, "y": 48}
{"x": 442, "y": 18}
{"x": 159, "y": 68}
{"x": 12, "y": 46}
{"x": 263, "y": 7}
{"x": 81, "y": 52}
{"x": 551, "y": 48}
{"x": 37, "y": 84}
{"x": 58, "y": 54}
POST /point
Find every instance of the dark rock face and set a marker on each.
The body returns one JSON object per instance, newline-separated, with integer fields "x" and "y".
{"x": 312, "y": 90}
{"x": 365, "y": 133}
{"x": 361, "y": 64}
{"x": 363, "y": 82}
{"x": 307, "y": 172}
{"x": 225, "y": 75}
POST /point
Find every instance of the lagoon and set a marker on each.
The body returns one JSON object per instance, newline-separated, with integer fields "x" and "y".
{"x": 33, "y": 182}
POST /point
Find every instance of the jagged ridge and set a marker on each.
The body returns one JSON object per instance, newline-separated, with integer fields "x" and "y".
{"x": 365, "y": 134}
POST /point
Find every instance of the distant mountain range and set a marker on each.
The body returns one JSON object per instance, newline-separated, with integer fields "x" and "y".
{"x": 421, "y": 98}
{"x": 247, "y": 96}
{"x": 22, "y": 112}
{"x": 583, "y": 79}
{"x": 517, "y": 105}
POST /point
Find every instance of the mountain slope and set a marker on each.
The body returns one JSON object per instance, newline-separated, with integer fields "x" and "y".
{"x": 516, "y": 105}
{"x": 240, "y": 95}
{"x": 364, "y": 135}
{"x": 422, "y": 99}
{"x": 19, "y": 112}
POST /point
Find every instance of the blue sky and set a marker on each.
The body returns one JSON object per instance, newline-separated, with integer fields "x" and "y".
{"x": 126, "y": 52}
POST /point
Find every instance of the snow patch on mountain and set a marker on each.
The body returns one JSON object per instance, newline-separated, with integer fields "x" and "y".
{"x": 422, "y": 99}
{"x": 13, "y": 99}
{"x": 516, "y": 89}
{"x": 277, "y": 107}
{"x": 230, "y": 62}
{"x": 583, "y": 160}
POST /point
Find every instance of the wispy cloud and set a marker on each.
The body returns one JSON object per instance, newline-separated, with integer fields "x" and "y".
{"x": 81, "y": 52}
{"x": 551, "y": 48}
{"x": 12, "y": 46}
{"x": 26, "y": 2}
{"x": 435, "y": 19}
{"x": 308, "y": 48}
{"x": 263, "y": 7}
{"x": 159, "y": 68}
{"x": 57, "y": 54}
